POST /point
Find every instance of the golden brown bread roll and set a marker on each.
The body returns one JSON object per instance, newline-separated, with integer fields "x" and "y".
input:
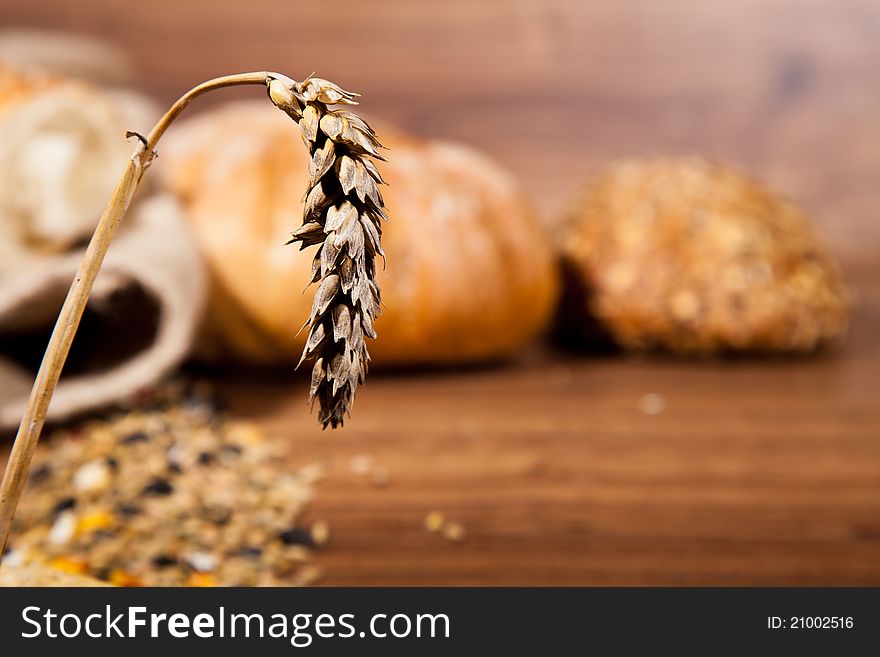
{"x": 696, "y": 258}
{"x": 470, "y": 274}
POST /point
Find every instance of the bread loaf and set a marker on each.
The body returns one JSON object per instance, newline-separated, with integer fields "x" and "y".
{"x": 62, "y": 146}
{"x": 683, "y": 255}
{"x": 470, "y": 275}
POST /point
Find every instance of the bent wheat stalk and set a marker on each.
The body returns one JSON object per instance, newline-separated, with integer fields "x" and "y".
{"x": 307, "y": 103}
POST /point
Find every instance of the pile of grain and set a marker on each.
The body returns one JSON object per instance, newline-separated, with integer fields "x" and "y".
{"x": 168, "y": 493}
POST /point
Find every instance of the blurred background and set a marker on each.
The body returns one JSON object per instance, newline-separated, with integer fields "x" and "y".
{"x": 564, "y": 468}
{"x": 783, "y": 88}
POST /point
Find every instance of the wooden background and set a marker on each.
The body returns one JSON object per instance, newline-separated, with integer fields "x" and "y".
{"x": 757, "y": 472}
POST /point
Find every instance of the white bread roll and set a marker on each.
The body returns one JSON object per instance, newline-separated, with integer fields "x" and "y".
{"x": 62, "y": 148}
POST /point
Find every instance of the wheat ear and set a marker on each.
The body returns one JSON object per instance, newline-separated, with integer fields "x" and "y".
{"x": 301, "y": 101}
{"x": 342, "y": 214}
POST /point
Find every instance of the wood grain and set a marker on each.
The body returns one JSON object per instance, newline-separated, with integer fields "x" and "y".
{"x": 758, "y": 472}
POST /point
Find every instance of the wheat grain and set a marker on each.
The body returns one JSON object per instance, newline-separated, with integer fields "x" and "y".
{"x": 342, "y": 214}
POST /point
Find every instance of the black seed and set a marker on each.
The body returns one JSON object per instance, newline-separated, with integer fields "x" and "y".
{"x": 112, "y": 463}
{"x": 158, "y": 486}
{"x": 40, "y": 474}
{"x": 164, "y": 560}
{"x": 129, "y": 510}
{"x": 174, "y": 467}
{"x": 234, "y": 450}
{"x": 251, "y": 552}
{"x": 200, "y": 401}
{"x": 297, "y": 536}
{"x": 206, "y": 458}
{"x": 218, "y": 515}
{"x": 136, "y": 437}
{"x": 64, "y": 505}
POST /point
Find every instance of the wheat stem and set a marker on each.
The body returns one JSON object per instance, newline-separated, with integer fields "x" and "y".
{"x": 18, "y": 465}
{"x": 257, "y": 77}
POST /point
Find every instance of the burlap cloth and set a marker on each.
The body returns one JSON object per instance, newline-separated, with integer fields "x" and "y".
{"x": 139, "y": 323}
{"x": 62, "y": 148}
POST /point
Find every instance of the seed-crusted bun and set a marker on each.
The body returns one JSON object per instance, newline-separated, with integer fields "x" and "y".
{"x": 695, "y": 258}
{"x": 470, "y": 274}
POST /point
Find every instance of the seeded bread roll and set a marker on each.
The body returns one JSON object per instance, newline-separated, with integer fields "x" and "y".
{"x": 695, "y": 258}
{"x": 470, "y": 275}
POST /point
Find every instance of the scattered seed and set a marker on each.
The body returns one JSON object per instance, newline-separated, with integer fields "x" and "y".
{"x": 201, "y": 561}
{"x": 202, "y": 580}
{"x": 175, "y": 455}
{"x": 122, "y": 578}
{"x": 218, "y": 515}
{"x": 320, "y": 532}
{"x": 63, "y": 529}
{"x": 13, "y": 558}
{"x": 308, "y": 576}
{"x": 69, "y": 565}
{"x": 231, "y": 450}
{"x": 158, "y": 486}
{"x": 434, "y": 521}
{"x": 164, "y": 560}
{"x": 64, "y": 505}
{"x": 94, "y": 521}
{"x": 361, "y": 464}
{"x": 244, "y": 433}
{"x": 251, "y": 552}
{"x": 40, "y": 474}
{"x": 652, "y": 403}
{"x": 134, "y": 438}
{"x": 298, "y": 553}
{"x": 92, "y": 476}
{"x": 129, "y": 510}
{"x": 454, "y": 532}
{"x": 380, "y": 476}
{"x": 312, "y": 473}
{"x": 297, "y": 536}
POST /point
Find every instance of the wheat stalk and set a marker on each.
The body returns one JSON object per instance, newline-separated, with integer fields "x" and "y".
{"x": 342, "y": 214}
{"x": 345, "y": 281}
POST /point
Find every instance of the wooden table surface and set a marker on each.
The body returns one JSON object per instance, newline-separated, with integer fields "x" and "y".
{"x": 761, "y": 473}
{"x": 756, "y": 472}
